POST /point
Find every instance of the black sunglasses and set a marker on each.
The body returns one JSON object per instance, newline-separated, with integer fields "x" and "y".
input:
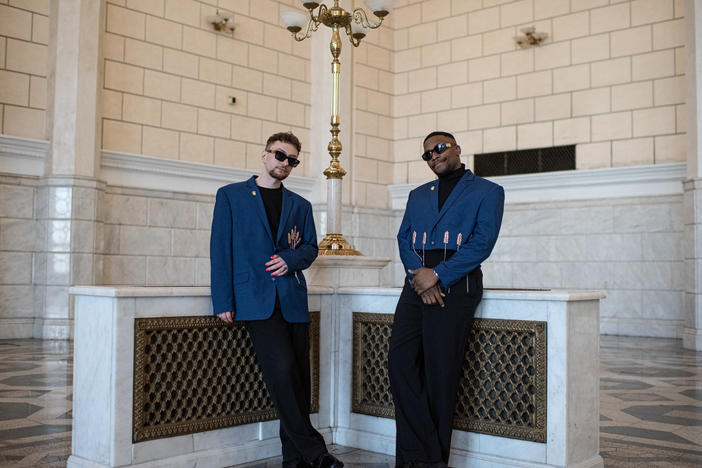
{"x": 438, "y": 149}
{"x": 280, "y": 156}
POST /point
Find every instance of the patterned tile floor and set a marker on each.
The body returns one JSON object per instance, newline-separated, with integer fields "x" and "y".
{"x": 650, "y": 406}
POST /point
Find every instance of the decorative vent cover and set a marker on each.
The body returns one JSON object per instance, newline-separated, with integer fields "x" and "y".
{"x": 557, "y": 158}
{"x": 503, "y": 387}
{"x": 194, "y": 374}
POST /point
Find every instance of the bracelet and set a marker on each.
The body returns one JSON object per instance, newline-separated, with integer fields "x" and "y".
{"x": 436, "y": 274}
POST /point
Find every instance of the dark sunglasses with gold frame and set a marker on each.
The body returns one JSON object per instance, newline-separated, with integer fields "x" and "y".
{"x": 438, "y": 149}
{"x": 281, "y": 156}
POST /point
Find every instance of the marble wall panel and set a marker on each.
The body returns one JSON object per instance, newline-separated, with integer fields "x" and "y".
{"x": 82, "y": 236}
{"x": 172, "y": 213}
{"x": 16, "y": 201}
{"x": 202, "y": 272}
{"x": 587, "y": 220}
{"x": 16, "y": 301}
{"x": 125, "y": 209}
{"x": 60, "y": 202}
{"x": 204, "y": 215}
{"x": 140, "y": 240}
{"x": 645, "y": 218}
{"x": 56, "y": 302}
{"x": 662, "y": 246}
{"x": 15, "y": 268}
{"x": 85, "y": 203}
{"x": 107, "y": 238}
{"x": 530, "y": 222}
{"x": 643, "y": 275}
{"x": 124, "y": 269}
{"x": 83, "y": 269}
{"x": 18, "y": 234}
{"x": 622, "y": 304}
{"x": 666, "y": 305}
{"x": 170, "y": 271}
{"x": 191, "y": 243}
{"x": 536, "y": 275}
{"x": 586, "y": 275}
{"x": 58, "y": 268}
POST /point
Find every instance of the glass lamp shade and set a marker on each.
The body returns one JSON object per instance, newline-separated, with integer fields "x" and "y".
{"x": 357, "y": 30}
{"x": 380, "y": 5}
{"x": 294, "y": 20}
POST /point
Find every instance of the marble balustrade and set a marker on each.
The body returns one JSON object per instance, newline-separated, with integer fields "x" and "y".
{"x": 103, "y": 381}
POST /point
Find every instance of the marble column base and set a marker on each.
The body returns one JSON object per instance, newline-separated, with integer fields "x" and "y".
{"x": 692, "y": 210}
{"x": 346, "y": 271}
{"x": 692, "y": 338}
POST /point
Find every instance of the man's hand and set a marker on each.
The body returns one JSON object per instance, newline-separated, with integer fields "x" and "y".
{"x": 278, "y": 266}
{"x": 433, "y": 295}
{"x": 227, "y": 317}
{"x": 424, "y": 279}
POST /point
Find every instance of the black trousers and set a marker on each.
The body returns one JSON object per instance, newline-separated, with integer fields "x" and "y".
{"x": 427, "y": 348}
{"x": 283, "y": 352}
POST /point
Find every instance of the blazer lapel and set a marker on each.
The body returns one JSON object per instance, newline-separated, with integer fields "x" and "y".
{"x": 456, "y": 193}
{"x": 255, "y": 193}
{"x": 285, "y": 213}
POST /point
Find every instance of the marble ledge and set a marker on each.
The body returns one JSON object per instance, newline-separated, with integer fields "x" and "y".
{"x": 161, "y": 291}
{"x": 350, "y": 261}
{"x": 556, "y": 295}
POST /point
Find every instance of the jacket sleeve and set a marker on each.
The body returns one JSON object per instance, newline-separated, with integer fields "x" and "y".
{"x": 475, "y": 250}
{"x": 221, "y": 256}
{"x": 301, "y": 258}
{"x": 410, "y": 258}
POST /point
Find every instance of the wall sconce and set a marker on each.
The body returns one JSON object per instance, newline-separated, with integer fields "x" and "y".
{"x": 222, "y": 21}
{"x": 530, "y": 37}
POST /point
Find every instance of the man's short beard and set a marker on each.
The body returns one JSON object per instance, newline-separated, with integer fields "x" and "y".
{"x": 273, "y": 174}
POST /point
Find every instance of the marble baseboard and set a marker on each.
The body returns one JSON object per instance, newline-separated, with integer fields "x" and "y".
{"x": 692, "y": 339}
{"x": 11, "y": 328}
{"x": 641, "y": 327}
{"x": 379, "y": 443}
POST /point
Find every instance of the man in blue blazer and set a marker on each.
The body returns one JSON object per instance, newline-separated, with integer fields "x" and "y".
{"x": 263, "y": 236}
{"x": 450, "y": 226}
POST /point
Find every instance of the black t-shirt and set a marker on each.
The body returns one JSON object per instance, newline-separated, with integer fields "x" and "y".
{"x": 273, "y": 202}
{"x": 448, "y": 182}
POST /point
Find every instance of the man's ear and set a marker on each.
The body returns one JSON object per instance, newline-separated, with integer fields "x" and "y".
{"x": 458, "y": 148}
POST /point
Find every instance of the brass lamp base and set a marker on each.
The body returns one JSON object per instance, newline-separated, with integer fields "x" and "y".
{"x": 335, "y": 244}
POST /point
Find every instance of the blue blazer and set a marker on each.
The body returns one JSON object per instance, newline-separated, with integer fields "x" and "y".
{"x": 473, "y": 209}
{"x": 242, "y": 242}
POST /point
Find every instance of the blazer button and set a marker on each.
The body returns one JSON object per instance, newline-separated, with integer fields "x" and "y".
{"x": 432, "y": 242}
{"x": 272, "y": 279}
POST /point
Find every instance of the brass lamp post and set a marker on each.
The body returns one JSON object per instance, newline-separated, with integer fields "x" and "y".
{"x": 354, "y": 23}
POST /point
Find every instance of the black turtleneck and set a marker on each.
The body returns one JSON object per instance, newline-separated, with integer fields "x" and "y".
{"x": 447, "y": 182}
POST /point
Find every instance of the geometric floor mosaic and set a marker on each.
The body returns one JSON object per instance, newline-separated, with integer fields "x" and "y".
{"x": 650, "y": 406}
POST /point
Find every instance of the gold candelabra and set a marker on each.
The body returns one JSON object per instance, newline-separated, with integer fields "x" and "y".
{"x": 355, "y": 24}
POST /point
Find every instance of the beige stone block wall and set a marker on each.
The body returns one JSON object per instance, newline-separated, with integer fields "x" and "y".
{"x": 609, "y": 79}
{"x": 24, "y": 31}
{"x": 169, "y": 79}
{"x": 374, "y": 130}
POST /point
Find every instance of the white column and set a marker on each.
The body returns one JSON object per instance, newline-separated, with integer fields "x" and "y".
{"x": 69, "y": 196}
{"x": 692, "y": 202}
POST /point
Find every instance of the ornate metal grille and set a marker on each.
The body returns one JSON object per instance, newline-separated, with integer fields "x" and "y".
{"x": 503, "y": 387}
{"x": 557, "y": 158}
{"x": 194, "y": 374}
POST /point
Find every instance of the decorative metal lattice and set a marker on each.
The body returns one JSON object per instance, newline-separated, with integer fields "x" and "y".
{"x": 557, "y": 158}
{"x": 194, "y": 374}
{"x": 502, "y": 390}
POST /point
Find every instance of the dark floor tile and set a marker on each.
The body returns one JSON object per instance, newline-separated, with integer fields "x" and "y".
{"x": 623, "y": 384}
{"x": 17, "y": 410}
{"x": 650, "y": 371}
{"x": 32, "y": 431}
{"x": 639, "y": 397}
{"x": 38, "y": 380}
{"x": 660, "y": 413}
{"x": 693, "y": 393}
{"x": 645, "y": 434}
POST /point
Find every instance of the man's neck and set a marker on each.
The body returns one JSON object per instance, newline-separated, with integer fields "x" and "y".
{"x": 266, "y": 181}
